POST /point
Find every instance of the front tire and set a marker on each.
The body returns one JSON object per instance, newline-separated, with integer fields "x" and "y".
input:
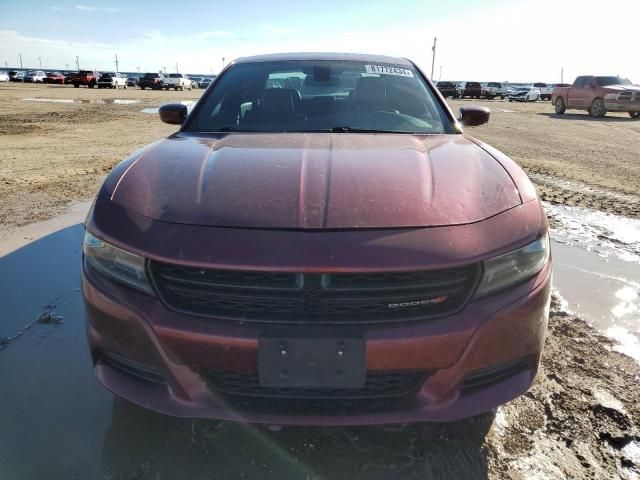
{"x": 596, "y": 109}
{"x": 635, "y": 115}
{"x": 560, "y": 106}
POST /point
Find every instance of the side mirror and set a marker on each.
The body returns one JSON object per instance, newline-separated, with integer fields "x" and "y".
{"x": 173, "y": 113}
{"x": 474, "y": 116}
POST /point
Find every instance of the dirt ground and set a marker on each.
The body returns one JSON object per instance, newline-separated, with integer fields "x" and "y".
{"x": 581, "y": 418}
{"x": 55, "y": 153}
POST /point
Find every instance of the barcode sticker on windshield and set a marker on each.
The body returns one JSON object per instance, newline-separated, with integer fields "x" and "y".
{"x": 386, "y": 70}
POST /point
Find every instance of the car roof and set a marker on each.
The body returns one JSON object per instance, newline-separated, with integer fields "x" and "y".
{"x": 359, "y": 57}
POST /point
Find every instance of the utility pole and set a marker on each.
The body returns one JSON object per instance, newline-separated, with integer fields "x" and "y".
{"x": 66, "y": 65}
{"x": 78, "y": 62}
{"x": 6, "y": 65}
{"x": 138, "y": 69}
{"x": 177, "y": 71}
{"x": 433, "y": 57}
{"x": 440, "y": 77}
{"x": 116, "y": 55}
{"x": 562, "y": 75}
{"x": 40, "y": 60}
{"x": 20, "y": 61}
{"x": 223, "y": 63}
{"x": 164, "y": 69}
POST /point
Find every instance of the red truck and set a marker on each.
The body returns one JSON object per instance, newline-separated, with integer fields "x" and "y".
{"x": 85, "y": 77}
{"x": 598, "y": 95}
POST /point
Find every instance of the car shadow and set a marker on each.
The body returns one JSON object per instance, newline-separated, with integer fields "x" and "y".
{"x": 144, "y": 445}
{"x": 586, "y": 116}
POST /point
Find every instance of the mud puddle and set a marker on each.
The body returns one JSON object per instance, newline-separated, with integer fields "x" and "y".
{"x": 596, "y": 270}
{"x": 97, "y": 101}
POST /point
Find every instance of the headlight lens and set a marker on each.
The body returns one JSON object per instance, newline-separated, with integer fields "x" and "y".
{"x": 121, "y": 266}
{"x": 506, "y": 270}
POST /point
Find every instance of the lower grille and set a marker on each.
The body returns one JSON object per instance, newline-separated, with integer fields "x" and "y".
{"x": 377, "y": 385}
{"x": 485, "y": 376}
{"x": 133, "y": 368}
{"x": 313, "y": 298}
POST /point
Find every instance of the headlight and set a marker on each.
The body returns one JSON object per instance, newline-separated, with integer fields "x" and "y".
{"x": 505, "y": 270}
{"x": 121, "y": 266}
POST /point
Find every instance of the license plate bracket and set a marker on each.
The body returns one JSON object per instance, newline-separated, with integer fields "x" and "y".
{"x": 290, "y": 362}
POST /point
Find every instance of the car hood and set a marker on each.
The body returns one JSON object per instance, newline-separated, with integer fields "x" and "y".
{"x": 316, "y": 181}
{"x": 621, "y": 88}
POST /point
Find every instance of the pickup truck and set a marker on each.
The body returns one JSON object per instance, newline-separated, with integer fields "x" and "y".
{"x": 470, "y": 89}
{"x": 545, "y": 90}
{"x": 112, "y": 80}
{"x": 492, "y": 90}
{"x": 85, "y": 77}
{"x": 154, "y": 81}
{"x": 598, "y": 95}
{"x": 448, "y": 89}
{"x": 177, "y": 81}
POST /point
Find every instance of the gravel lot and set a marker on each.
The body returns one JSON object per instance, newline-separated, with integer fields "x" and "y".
{"x": 580, "y": 420}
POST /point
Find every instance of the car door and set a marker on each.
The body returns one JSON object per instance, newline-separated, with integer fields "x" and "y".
{"x": 578, "y": 93}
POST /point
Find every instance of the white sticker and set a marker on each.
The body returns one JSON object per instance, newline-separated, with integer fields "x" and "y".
{"x": 386, "y": 70}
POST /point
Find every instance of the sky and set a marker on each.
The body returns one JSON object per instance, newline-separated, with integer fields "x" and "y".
{"x": 483, "y": 40}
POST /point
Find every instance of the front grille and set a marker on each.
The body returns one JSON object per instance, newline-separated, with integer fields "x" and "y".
{"x": 629, "y": 96}
{"x": 315, "y": 298}
{"x": 377, "y": 385}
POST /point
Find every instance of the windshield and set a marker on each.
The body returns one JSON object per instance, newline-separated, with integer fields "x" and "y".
{"x": 175, "y": 75}
{"x": 151, "y": 75}
{"x": 606, "y": 81}
{"x": 320, "y": 96}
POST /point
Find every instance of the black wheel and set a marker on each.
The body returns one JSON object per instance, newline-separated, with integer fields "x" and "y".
{"x": 92, "y": 84}
{"x": 76, "y": 85}
{"x": 141, "y": 87}
{"x": 597, "y": 108}
{"x": 634, "y": 115}
{"x": 560, "y": 106}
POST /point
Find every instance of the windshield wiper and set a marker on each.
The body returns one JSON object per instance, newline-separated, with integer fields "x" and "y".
{"x": 364, "y": 130}
{"x": 233, "y": 129}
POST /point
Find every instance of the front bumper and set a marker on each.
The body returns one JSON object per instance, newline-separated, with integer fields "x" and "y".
{"x": 169, "y": 354}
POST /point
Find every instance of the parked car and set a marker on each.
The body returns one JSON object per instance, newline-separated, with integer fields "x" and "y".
{"x": 177, "y": 81}
{"x": 598, "y": 95}
{"x": 337, "y": 268}
{"x": 448, "y": 89}
{"x": 524, "y": 94}
{"x": 206, "y": 81}
{"x": 112, "y": 80}
{"x": 196, "y": 81}
{"x": 54, "y": 78}
{"x": 152, "y": 80}
{"x": 545, "y": 90}
{"x": 132, "y": 81}
{"x": 85, "y": 77}
{"x": 470, "y": 89}
{"x": 492, "y": 90}
{"x": 4, "y": 77}
{"x": 35, "y": 76}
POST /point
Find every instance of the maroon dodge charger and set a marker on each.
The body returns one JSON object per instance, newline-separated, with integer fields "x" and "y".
{"x": 320, "y": 243}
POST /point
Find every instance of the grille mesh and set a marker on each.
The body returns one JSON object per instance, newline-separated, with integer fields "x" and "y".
{"x": 377, "y": 385}
{"x": 316, "y": 298}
